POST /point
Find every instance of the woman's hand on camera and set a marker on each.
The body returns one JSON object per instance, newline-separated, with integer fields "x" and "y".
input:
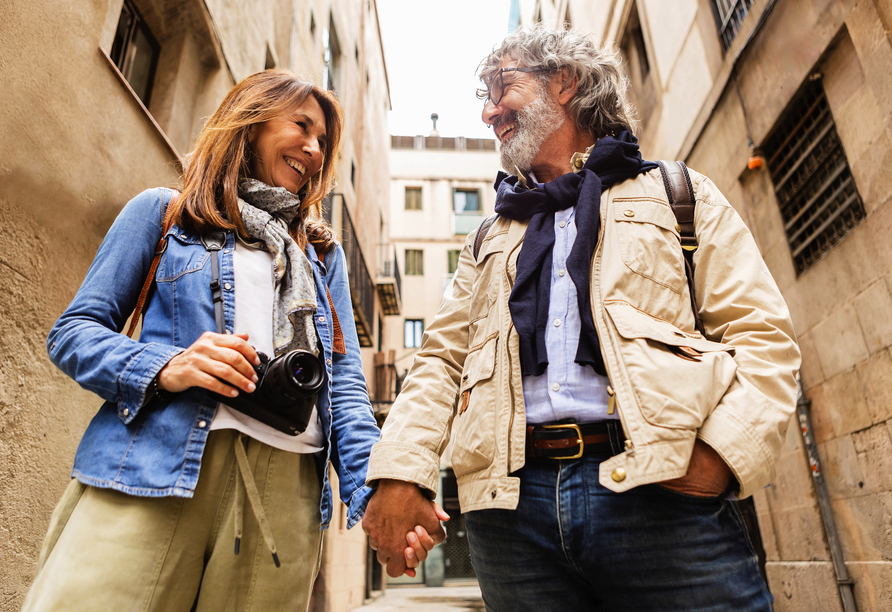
{"x": 216, "y": 362}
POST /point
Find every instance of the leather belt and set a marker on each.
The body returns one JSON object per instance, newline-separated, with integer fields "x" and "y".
{"x": 568, "y": 440}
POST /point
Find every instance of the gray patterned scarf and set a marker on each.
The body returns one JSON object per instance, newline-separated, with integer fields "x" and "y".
{"x": 266, "y": 213}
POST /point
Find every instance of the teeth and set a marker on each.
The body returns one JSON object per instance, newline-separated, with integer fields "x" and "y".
{"x": 301, "y": 169}
{"x": 504, "y": 130}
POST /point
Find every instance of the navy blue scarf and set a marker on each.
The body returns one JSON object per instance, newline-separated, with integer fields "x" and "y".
{"x": 612, "y": 161}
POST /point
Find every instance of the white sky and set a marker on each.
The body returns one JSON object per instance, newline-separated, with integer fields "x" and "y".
{"x": 432, "y": 50}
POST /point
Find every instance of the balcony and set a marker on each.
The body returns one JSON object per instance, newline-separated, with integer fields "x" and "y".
{"x": 464, "y": 223}
{"x": 389, "y": 281}
{"x": 387, "y": 383}
{"x": 362, "y": 288}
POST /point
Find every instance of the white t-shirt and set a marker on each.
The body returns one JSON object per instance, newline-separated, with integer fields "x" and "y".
{"x": 254, "y": 293}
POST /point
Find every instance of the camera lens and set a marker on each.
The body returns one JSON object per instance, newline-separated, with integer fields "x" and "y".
{"x": 302, "y": 375}
{"x": 305, "y": 370}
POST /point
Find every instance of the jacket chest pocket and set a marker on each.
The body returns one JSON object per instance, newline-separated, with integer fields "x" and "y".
{"x": 474, "y": 426}
{"x": 181, "y": 259}
{"x": 677, "y": 378}
{"x": 485, "y": 290}
{"x": 649, "y": 243}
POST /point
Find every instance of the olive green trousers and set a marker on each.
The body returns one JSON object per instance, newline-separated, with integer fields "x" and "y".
{"x": 109, "y": 551}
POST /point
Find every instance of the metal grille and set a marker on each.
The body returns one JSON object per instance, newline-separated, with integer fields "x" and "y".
{"x": 362, "y": 288}
{"x": 456, "y": 550}
{"x": 729, "y": 14}
{"x": 815, "y": 190}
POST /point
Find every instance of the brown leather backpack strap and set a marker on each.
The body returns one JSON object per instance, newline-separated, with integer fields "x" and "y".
{"x": 337, "y": 344}
{"x": 683, "y": 201}
{"x": 166, "y": 224}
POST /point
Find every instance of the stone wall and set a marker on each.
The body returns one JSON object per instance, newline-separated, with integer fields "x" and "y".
{"x": 76, "y": 144}
{"x": 714, "y": 110}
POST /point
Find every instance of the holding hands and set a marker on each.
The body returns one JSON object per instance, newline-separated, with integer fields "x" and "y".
{"x": 402, "y": 526}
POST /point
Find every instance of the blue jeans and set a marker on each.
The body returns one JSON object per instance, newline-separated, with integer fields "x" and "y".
{"x": 573, "y": 545}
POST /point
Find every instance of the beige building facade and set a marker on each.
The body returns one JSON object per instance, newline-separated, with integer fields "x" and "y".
{"x": 787, "y": 106}
{"x": 100, "y": 100}
{"x": 441, "y": 189}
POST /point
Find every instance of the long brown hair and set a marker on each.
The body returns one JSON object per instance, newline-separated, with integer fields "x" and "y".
{"x": 220, "y": 157}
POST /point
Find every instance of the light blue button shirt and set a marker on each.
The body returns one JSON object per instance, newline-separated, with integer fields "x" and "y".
{"x": 566, "y": 390}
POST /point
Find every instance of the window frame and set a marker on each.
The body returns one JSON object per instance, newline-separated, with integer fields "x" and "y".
{"x": 452, "y": 256}
{"x": 474, "y": 190}
{"x": 417, "y": 332}
{"x": 417, "y": 264}
{"x": 415, "y": 190}
{"x": 123, "y": 50}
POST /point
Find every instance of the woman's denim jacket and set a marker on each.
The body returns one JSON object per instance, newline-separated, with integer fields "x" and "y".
{"x": 155, "y": 450}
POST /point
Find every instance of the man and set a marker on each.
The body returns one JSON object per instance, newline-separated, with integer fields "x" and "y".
{"x": 597, "y": 435}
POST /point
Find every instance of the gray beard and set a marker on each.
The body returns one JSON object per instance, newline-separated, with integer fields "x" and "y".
{"x": 535, "y": 123}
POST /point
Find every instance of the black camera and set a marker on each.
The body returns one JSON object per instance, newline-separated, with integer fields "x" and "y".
{"x": 285, "y": 394}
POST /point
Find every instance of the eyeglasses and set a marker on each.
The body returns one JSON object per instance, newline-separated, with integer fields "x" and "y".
{"x": 497, "y": 86}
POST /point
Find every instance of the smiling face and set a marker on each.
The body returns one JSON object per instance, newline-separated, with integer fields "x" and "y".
{"x": 286, "y": 151}
{"x": 524, "y": 119}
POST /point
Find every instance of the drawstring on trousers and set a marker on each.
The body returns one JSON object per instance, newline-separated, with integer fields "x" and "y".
{"x": 244, "y": 476}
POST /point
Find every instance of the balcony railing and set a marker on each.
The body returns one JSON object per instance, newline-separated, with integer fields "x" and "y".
{"x": 390, "y": 291}
{"x": 466, "y": 222}
{"x": 362, "y": 288}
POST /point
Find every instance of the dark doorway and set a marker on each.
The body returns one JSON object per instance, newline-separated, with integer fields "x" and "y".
{"x": 456, "y": 551}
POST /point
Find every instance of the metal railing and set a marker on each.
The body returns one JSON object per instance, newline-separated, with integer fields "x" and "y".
{"x": 816, "y": 192}
{"x": 729, "y": 14}
{"x": 362, "y": 287}
{"x": 390, "y": 282}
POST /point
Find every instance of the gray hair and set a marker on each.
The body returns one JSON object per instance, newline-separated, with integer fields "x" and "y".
{"x": 599, "y": 106}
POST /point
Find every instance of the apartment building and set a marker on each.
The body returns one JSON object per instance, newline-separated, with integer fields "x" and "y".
{"x": 441, "y": 189}
{"x": 101, "y": 100}
{"x": 786, "y": 105}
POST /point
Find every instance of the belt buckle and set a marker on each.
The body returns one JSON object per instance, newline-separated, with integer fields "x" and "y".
{"x": 578, "y": 438}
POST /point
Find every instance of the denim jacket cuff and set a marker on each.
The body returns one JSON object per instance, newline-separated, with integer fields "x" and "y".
{"x": 138, "y": 373}
{"x": 357, "y": 505}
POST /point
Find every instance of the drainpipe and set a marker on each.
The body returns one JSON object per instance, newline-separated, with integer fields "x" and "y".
{"x": 843, "y": 580}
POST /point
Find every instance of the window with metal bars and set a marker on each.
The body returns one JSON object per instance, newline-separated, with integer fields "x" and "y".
{"x": 729, "y": 14}
{"x": 818, "y": 199}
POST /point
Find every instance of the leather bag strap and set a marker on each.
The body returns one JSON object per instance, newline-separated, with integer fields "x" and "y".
{"x": 166, "y": 224}
{"x": 683, "y": 201}
{"x": 337, "y": 345}
{"x": 481, "y": 233}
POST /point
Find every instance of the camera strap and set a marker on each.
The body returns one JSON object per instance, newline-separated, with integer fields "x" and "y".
{"x": 213, "y": 242}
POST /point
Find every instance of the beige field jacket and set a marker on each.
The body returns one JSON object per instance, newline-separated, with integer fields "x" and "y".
{"x": 735, "y": 389}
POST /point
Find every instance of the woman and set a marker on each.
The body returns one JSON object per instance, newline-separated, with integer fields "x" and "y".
{"x": 154, "y": 518}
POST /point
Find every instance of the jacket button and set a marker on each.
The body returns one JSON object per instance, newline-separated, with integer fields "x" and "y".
{"x": 328, "y": 361}
{"x": 227, "y": 286}
{"x": 202, "y": 424}
{"x": 618, "y": 475}
{"x": 125, "y": 411}
{"x": 629, "y": 213}
{"x": 493, "y": 494}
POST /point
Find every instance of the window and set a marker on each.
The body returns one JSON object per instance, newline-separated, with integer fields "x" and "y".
{"x": 135, "y": 52}
{"x": 815, "y": 190}
{"x": 414, "y": 262}
{"x": 413, "y": 198}
{"x": 412, "y": 332}
{"x": 452, "y": 260}
{"x": 729, "y": 14}
{"x": 332, "y": 57}
{"x": 466, "y": 200}
{"x": 642, "y": 93}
